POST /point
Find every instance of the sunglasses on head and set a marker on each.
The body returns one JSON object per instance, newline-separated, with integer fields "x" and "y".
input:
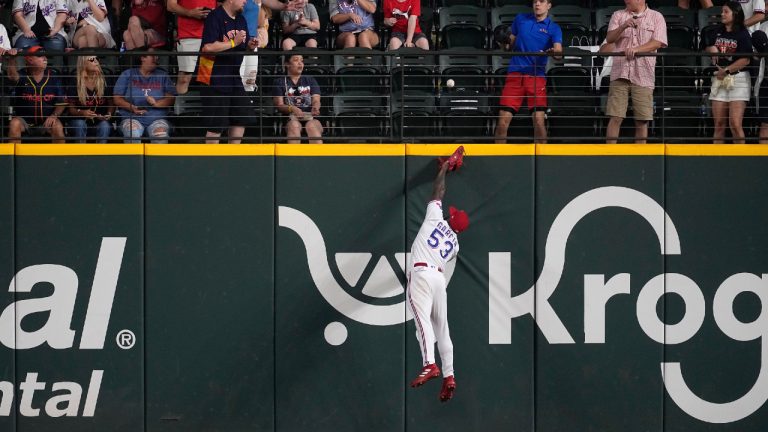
{"x": 93, "y": 59}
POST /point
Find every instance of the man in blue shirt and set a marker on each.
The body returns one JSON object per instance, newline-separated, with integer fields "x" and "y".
{"x": 532, "y": 32}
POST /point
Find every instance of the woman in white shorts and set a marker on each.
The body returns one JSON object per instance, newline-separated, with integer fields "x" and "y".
{"x": 731, "y": 85}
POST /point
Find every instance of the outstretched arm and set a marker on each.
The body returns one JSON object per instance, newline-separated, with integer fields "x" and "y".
{"x": 438, "y": 188}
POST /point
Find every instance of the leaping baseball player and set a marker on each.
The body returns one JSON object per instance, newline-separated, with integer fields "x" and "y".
{"x": 435, "y": 244}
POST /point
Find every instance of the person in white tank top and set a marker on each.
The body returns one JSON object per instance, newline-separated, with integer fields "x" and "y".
{"x": 436, "y": 243}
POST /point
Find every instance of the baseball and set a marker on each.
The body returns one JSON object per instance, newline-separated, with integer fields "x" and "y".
{"x": 450, "y": 83}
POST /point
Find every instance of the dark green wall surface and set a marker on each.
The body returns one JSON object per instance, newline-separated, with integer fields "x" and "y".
{"x": 266, "y": 293}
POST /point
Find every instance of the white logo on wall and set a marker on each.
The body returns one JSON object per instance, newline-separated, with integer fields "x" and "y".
{"x": 383, "y": 282}
{"x": 503, "y": 307}
{"x": 57, "y": 331}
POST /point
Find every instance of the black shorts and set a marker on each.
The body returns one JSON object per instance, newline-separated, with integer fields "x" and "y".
{"x": 222, "y": 110}
{"x": 301, "y": 39}
{"x": 762, "y": 112}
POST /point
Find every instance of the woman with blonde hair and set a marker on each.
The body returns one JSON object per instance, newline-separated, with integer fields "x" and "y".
{"x": 90, "y": 102}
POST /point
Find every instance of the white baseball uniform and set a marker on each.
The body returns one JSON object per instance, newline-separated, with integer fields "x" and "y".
{"x": 435, "y": 245}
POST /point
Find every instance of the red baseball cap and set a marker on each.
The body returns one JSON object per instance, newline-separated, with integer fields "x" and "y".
{"x": 459, "y": 221}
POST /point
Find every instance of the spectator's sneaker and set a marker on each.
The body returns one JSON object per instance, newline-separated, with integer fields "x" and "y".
{"x": 449, "y": 386}
{"x": 430, "y": 371}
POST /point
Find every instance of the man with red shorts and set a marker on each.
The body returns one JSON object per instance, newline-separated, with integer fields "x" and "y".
{"x": 532, "y": 32}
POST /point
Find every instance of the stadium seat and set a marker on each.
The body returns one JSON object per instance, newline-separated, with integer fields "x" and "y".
{"x": 186, "y": 121}
{"x": 467, "y": 70}
{"x": 571, "y": 100}
{"x": 463, "y": 27}
{"x": 503, "y": 16}
{"x": 602, "y": 19}
{"x": 412, "y": 70}
{"x": 447, "y": 3}
{"x": 358, "y": 115}
{"x": 681, "y": 24}
{"x": 357, "y": 70}
{"x": 575, "y": 22}
{"x": 414, "y": 117}
{"x": 464, "y": 114}
{"x": 680, "y": 120}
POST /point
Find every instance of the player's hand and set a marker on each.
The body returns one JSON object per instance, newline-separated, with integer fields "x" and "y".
{"x": 630, "y": 53}
{"x": 199, "y": 13}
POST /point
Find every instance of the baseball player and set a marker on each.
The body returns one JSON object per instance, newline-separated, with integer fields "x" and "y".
{"x": 435, "y": 245}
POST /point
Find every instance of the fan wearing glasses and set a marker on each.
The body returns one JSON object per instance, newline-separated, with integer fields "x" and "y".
{"x": 90, "y": 102}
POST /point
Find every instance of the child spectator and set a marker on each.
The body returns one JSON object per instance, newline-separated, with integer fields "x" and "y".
{"x": 403, "y": 17}
{"x": 300, "y": 27}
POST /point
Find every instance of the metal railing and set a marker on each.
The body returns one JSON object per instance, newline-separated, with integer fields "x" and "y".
{"x": 405, "y": 96}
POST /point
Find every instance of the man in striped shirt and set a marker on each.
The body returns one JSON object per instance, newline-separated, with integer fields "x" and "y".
{"x": 634, "y": 30}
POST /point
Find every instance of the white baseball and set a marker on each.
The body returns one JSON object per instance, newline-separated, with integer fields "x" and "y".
{"x": 450, "y": 83}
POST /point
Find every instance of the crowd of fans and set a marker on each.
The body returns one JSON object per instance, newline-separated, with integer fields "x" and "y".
{"x": 136, "y": 101}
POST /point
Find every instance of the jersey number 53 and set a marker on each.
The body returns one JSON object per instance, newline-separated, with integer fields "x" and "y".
{"x": 434, "y": 242}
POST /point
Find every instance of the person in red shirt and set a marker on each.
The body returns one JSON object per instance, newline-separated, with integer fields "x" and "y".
{"x": 147, "y": 25}
{"x": 403, "y": 17}
{"x": 191, "y": 16}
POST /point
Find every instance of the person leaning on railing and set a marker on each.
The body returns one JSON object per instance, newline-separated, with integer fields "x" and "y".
{"x": 731, "y": 83}
{"x": 526, "y": 80}
{"x": 636, "y": 29}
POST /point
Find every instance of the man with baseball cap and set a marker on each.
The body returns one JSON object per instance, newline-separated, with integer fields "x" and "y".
{"x": 436, "y": 243}
{"x": 40, "y": 98}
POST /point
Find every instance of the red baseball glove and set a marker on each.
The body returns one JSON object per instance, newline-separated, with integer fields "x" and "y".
{"x": 455, "y": 161}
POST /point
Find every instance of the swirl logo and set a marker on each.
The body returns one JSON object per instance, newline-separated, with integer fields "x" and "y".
{"x": 382, "y": 283}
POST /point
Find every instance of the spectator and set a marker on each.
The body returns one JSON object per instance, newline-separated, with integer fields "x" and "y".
{"x": 143, "y": 97}
{"x": 355, "y": 21}
{"x": 5, "y": 45}
{"x": 686, "y": 4}
{"x": 526, "y": 79}
{"x": 754, "y": 13}
{"x": 39, "y": 100}
{"x": 226, "y": 104}
{"x": 90, "y": 102}
{"x": 257, "y": 18}
{"x": 191, "y": 15}
{"x": 760, "y": 44}
{"x": 636, "y": 29}
{"x": 731, "y": 82}
{"x": 403, "y": 17}
{"x": 89, "y": 25}
{"x": 147, "y": 26}
{"x": 298, "y": 97}
{"x": 48, "y": 32}
{"x": 300, "y": 27}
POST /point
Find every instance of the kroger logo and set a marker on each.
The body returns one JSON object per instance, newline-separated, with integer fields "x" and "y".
{"x": 503, "y": 307}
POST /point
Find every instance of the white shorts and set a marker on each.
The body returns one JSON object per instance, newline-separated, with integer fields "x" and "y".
{"x": 739, "y": 92}
{"x": 187, "y": 63}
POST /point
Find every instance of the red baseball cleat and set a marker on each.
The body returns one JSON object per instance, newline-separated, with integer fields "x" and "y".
{"x": 430, "y": 371}
{"x": 449, "y": 386}
{"x": 457, "y": 159}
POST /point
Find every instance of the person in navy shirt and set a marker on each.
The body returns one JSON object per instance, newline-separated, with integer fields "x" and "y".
{"x": 39, "y": 98}
{"x": 532, "y": 32}
{"x": 226, "y": 104}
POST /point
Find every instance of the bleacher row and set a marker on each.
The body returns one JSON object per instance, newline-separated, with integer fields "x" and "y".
{"x": 381, "y": 96}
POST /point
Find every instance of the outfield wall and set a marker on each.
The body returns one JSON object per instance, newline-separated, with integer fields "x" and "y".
{"x": 260, "y": 288}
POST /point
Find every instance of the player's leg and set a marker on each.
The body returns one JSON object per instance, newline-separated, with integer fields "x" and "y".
{"x": 439, "y": 321}
{"x": 419, "y": 297}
